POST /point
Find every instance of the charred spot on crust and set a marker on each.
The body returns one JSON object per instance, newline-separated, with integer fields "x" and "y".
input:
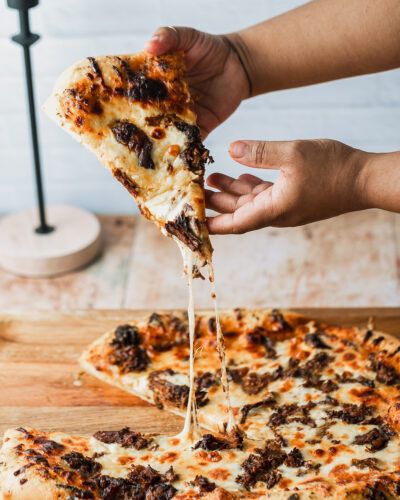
{"x": 267, "y": 402}
{"x": 136, "y": 140}
{"x": 85, "y": 466}
{"x": 126, "y": 181}
{"x": 203, "y": 485}
{"x": 187, "y": 229}
{"x": 170, "y": 394}
{"x": 48, "y": 446}
{"x": 124, "y": 437}
{"x": 95, "y": 67}
{"x": 314, "y": 340}
{"x": 196, "y": 155}
{"x": 261, "y": 466}
{"x": 279, "y": 322}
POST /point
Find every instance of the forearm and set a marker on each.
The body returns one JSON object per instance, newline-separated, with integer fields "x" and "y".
{"x": 380, "y": 181}
{"x": 320, "y": 41}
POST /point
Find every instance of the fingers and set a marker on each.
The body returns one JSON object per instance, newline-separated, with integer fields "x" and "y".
{"x": 221, "y": 202}
{"x": 170, "y": 38}
{"x": 243, "y": 185}
{"x": 252, "y": 215}
{"x": 262, "y": 154}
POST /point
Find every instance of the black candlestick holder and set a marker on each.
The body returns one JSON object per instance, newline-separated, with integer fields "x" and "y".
{"x": 74, "y": 237}
{"x": 25, "y": 38}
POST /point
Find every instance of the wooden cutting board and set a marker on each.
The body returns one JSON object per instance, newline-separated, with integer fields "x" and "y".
{"x": 41, "y": 384}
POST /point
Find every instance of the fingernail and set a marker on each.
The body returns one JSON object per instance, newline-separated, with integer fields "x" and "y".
{"x": 154, "y": 38}
{"x": 238, "y": 149}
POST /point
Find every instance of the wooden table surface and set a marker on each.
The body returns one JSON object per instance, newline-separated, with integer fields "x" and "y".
{"x": 41, "y": 384}
{"x": 349, "y": 261}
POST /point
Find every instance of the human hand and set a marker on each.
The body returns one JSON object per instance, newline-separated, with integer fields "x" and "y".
{"x": 318, "y": 179}
{"x": 216, "y": 77}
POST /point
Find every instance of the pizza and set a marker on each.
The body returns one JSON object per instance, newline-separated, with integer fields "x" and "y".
{"x": 136, "y": 114}
{"x": 328, "y": 395}
{"x": 317, "y": 410}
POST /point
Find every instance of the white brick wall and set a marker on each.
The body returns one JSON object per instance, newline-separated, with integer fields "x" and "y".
{"x": 364, "y": 112}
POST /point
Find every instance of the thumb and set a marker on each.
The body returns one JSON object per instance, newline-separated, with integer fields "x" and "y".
{"x": 171, "y": 38}
{"x": 260, "y": 154}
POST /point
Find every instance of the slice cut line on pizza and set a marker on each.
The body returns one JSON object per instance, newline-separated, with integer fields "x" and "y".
{"x": 135, "y": 113}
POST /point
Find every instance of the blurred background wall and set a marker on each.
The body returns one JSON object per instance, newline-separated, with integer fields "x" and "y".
{"x": 363, "y": 112}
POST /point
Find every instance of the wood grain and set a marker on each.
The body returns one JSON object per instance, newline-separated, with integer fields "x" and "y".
{"x": 41, "y": 384}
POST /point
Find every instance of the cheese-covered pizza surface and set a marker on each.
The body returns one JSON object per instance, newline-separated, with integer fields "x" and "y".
{"x": 317, "y": 412}
{"x": 330, "y": 396}
{"x": 136, "y": 114}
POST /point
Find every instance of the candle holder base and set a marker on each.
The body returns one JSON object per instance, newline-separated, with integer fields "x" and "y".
{"x": 75, "y": 242}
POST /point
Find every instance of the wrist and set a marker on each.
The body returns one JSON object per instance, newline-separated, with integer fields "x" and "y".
{"x": 380, "y": 180}
{"x": 239, "y": 48}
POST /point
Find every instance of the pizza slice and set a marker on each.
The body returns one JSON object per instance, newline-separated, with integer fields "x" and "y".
{"x": 136, "y": 114}
{"x": 330, "y": 396}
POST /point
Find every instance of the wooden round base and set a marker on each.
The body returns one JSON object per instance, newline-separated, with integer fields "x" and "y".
{"x": 75, "y": 241}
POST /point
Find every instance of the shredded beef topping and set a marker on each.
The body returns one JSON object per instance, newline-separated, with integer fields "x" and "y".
{"x": 76, "y": 492}
{"x": 314, "y": 340}
{"x": 129, "y": 359}
{"x": 195, "y": 155}
{"x": 292, "y": 413}
{"x": 146, "y": 89}
{"x": 126, "y": 181}
{"x": 125, "y": 336}
{"x": 267, "y": 402}
{"x": 259, "y": 336}
{"x": 142, "y": 483}
{"x": 351, "y": 413}
{"x": 165, "y": 392}
{"x": 124, "y": 437}
{"x": 261, "y": 465}
{"x": 375, "y": 440}
{"x": 186, "y": 228}
{"x": 205, "y": 381}
{"x": 294, "y": 458}
{"x": 252, "y": 383}
{"x": 136, "y": 140}
{"x": 85, "y": 466}
{"x": 385, "y": 374}
{"x": 366, "y": 463}
{"x": 347, "y": 378}
{"x": 212, "y": 443}
{"x": 203, "y": 484}
{"x": 325, "y": 386}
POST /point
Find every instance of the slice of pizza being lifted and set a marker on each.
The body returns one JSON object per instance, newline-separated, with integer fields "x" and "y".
{"x": 136, "y": 114}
